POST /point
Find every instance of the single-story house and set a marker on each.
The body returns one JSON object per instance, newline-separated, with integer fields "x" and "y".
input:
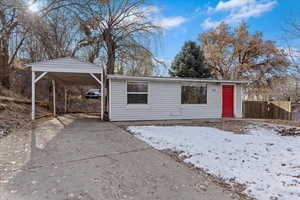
{"x": 164, "y": 98}
{"x": 144, "y": 98}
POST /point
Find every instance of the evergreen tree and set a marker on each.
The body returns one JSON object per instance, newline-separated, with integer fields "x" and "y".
{"x": 189, "y": 62}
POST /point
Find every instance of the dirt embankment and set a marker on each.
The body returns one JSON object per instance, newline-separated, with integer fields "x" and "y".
{"x": 15, "y": 113}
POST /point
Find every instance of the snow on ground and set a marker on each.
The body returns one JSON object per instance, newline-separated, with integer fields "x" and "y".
{"x": 268, "y": 164}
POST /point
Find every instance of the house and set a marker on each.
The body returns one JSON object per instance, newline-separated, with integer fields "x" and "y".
{"x": 145, "y": 98}
{"x": 158, "y": 98}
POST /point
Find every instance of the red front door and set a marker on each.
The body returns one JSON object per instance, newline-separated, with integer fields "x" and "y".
{"x": 227, "y": 101}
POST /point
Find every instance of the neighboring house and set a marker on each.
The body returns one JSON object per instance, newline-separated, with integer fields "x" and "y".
{"x": 157, "y": 98}
{"x": 295, "y": 107}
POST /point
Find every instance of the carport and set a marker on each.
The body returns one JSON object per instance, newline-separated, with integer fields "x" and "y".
{"x": 67, "y": 71}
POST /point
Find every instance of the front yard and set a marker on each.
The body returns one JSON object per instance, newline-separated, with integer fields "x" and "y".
{"x": 266, "y": 163}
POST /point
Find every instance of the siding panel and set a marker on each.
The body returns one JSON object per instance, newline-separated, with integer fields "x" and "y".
{"x": 238, "y": 101}
{"x": 164, "y": 102}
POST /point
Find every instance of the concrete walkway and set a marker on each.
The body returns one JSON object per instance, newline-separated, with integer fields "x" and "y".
{"x": 92, "y": 160}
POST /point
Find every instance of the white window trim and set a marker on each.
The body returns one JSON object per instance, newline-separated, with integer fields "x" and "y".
{"x": 137, "y": 104}
{"x": 194, "y": 85}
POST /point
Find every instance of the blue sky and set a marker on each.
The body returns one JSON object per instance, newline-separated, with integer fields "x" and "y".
{"x": 186, "y": 19}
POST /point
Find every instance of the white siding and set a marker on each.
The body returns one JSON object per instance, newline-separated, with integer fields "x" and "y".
{"x": 238, "y": 101}
{"x": 164, "y": 102}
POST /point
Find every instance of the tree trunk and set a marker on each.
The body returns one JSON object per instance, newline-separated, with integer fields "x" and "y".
{"x": 111, "y": 53}
{"x": 4, "y": 69}
{"x": 4, "y": 61}
{"x": 110, "y": 68}
{"x": 111, "y": 61}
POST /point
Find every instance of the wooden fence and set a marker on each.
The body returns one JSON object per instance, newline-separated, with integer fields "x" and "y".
{"x": 267, "y": 109}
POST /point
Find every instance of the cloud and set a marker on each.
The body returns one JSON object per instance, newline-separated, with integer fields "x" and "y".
{"x": 204, "y": 10}
{"x": 154, "y": 13}
{"x": 238, "y": 10}
{"x": 208, "y": 23}
{"x": 150, "y": 10}
{"x": 171, "y": 22}
{"x": 233, "y": 4}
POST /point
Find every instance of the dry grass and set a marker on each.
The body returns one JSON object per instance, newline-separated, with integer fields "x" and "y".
{"x": 236, "y": 126}
{"x": 282, "y": 122}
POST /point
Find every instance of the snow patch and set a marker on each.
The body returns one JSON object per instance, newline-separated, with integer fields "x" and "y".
{"x": 268, "y": 164}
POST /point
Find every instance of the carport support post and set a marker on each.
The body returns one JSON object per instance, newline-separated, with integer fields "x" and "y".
{"x": 66, "y": 100}
{"x": 54, "y": 97}
{"x": 33, "y": 95}
{"x": 102, "y": 88}
{"x": 102, "y": 96}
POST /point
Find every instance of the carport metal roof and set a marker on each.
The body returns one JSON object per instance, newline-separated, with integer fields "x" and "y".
{"x": 68, "y": 71}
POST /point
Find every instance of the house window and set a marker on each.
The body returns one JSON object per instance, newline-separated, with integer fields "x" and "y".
{"x": 194, "y": 94}
{"x": 137, "y": 93}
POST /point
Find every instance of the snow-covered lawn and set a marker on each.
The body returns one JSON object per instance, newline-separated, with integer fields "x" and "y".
{"x": 268, "y": 164}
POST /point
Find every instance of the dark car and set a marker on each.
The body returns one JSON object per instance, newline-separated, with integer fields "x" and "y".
{"x": 93, "y": 94}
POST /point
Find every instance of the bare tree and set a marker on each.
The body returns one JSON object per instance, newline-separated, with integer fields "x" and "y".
{"x": 239, "y": 54}
{"x": 291, "y": 34}
{"x": 121, "y": 31}
{"x": 141, "y": 63}
{"x": 9, "y": 20}
{"x": 16, "y": 21}
{"x": 280, "y": 89}
{"x": 52, "y": 36}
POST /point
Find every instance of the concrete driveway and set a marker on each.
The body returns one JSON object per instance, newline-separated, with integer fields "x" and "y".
{"x": 92, "y": 160}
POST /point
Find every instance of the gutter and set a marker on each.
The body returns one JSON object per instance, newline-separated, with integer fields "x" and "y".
{"x": 167, "y": 79}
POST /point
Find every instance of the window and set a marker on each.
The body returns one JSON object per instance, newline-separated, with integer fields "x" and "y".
{"x": 137, "y": 93}
{"x": 194, "y": 94}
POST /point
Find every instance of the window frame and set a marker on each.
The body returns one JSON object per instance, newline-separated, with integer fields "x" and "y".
{"x": 194, "y": 85}
{"x": 147, "y": 93}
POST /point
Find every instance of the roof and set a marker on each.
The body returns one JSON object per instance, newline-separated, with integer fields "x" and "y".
{"x": 69, "y": 71}
{"x": 174, "y": 79}
{"x": 67, "y": 64}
